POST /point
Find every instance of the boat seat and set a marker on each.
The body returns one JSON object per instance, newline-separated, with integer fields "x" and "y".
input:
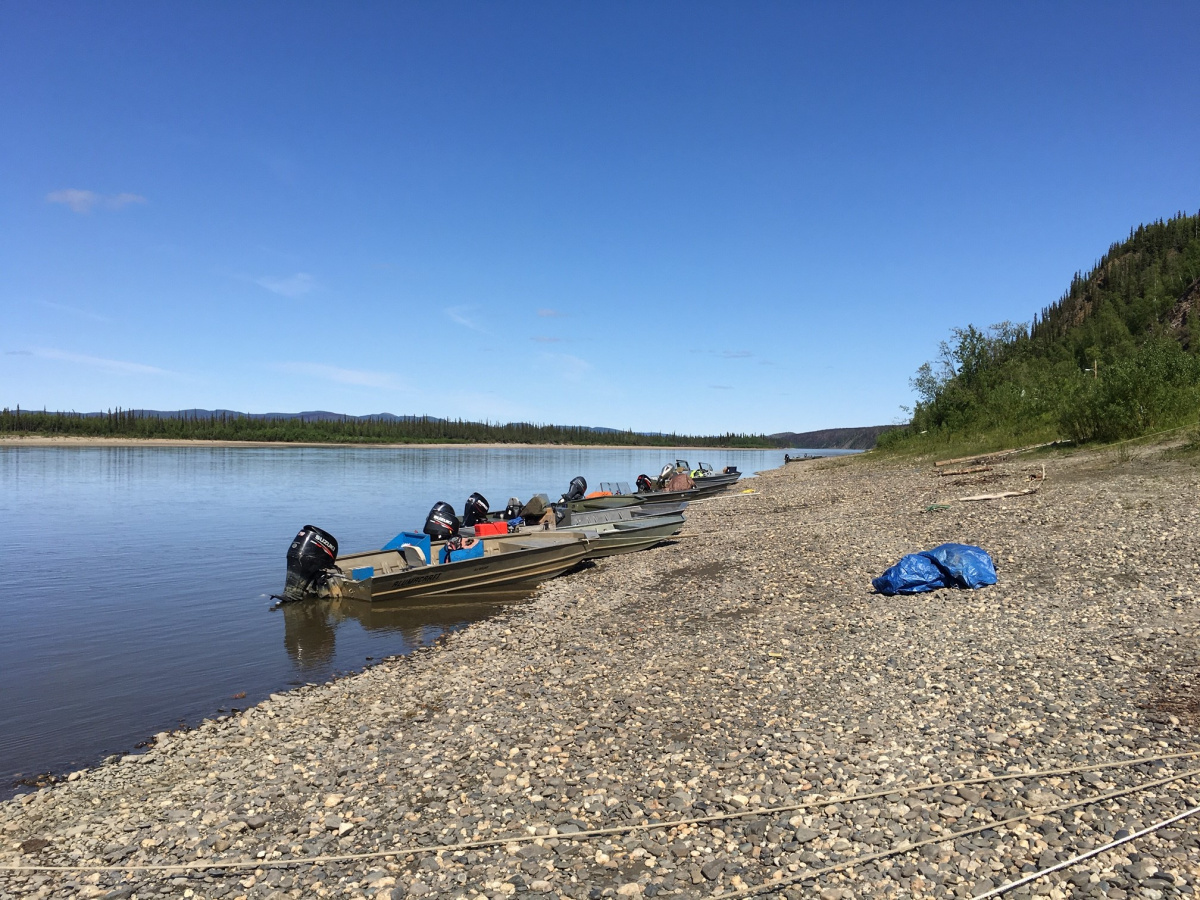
{"x": 413, "y": 556}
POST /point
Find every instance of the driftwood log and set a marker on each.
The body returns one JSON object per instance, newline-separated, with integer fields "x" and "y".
{"x": 998, "y": 496}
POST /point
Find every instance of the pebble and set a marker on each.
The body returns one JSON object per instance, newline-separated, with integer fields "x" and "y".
{"x": 745, "y": 672}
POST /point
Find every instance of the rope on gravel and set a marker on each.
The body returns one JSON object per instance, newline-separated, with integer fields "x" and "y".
{"x": 906, "y": 847}
{"x": 1005, "y": 888}
{"x": 623, "y": 829}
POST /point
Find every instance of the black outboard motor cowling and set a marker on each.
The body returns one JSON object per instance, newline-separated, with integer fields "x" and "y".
{"x": 644, "y": 484}
{"x": 513, "y": 509}
{"x": 475, "y": 510}
{"x": 311, "y": 557}
{"x": 577, "y": 489}
{"x": 441, "y": 524}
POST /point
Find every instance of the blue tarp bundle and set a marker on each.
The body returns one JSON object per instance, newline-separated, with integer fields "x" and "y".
{"x": 950, "y": 565}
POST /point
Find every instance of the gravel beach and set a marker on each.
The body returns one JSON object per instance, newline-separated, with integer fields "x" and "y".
{"x": 747, "y": 677}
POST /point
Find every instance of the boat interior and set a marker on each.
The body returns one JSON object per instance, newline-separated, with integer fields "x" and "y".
{"x": 401, "y": 559}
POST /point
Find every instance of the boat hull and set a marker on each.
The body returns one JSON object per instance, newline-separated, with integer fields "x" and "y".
{"x": 696, "y": 493}
{"x": 658, "y": 509}
{"x": 608, "y": 532}
{"x": 614, "y": 501}
{"x": 633, "y": 536}
{"x": 509, "y": 563}
{"x": 620, "y": 501}
{"x": 722, "y": 480}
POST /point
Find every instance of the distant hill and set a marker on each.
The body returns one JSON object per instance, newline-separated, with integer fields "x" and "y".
{"x": 318, "y": 415}
{"x": 322, "y": 415}
{"x": 832, "y": 438}
{"x": 321, "y": 426}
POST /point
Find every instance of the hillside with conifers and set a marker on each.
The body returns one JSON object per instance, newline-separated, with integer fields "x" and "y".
{"x": 1116, "y": 357}
{"x": 330, "y": 428}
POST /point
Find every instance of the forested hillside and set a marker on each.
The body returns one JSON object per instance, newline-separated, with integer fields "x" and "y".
{"x": 1115, "y": 357}
{"x": 223, "y": 425}
{"x": 863, "y": 438}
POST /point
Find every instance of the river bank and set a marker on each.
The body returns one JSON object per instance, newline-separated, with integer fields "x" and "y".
{"x": 746, "y": 674}
{"x": 70, "y": 440}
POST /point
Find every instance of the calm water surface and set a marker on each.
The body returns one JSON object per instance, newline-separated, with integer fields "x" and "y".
{"x": 135, "y": 582}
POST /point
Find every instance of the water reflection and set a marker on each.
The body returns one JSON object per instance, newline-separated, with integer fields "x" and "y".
{"x": 311, "y": 626}
{"x": 309, "y": 637}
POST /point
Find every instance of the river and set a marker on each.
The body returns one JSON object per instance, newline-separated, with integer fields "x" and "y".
{"x": 135, "y": 582}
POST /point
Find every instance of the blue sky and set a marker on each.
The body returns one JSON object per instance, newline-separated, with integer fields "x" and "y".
{"x": 667, "y": 216}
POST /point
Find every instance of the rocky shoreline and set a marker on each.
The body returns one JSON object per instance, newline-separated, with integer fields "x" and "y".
{"x": 746, "y": 677}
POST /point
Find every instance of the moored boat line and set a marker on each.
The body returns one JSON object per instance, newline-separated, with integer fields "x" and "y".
{"x": 516, "y": 548}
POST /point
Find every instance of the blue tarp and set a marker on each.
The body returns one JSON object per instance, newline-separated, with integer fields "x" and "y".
{"x": 948, "y": 565}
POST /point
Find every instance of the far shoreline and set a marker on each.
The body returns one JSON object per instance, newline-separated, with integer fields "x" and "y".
{"x": 78, "y": 441}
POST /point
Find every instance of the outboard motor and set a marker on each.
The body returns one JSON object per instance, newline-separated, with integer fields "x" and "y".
{"x": 475, "y": 510}
{"x": 665, "y": 474}
{"x": 441, "y": 524}
{"x": 310, "y": 559}
{"x": 576, "y": 490}
{"x": 513, "y": 510}
{"x": 644, "y": 484}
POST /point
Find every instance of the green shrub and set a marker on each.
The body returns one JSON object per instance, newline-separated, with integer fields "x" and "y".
{"x": 1154, "y": 387}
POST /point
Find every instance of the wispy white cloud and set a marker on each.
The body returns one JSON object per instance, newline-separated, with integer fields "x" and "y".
{"x": 77, "y": 200}
{"x": 73, "y": 310}
{"x": 550, "y": 314}
{"x": 566, "y": 366}
{"x": 288, "y": 286}
{"x": 543, "y": 339}
{"x": 460, "y": 315}
{"x": 380, "y": 380}
{"x": 18, "y": 353}
{"x": 81, "y": 201}
{"x": 723, "y": 354}
{"x": 119, "y": 200}
{"x": 97, "y": 362}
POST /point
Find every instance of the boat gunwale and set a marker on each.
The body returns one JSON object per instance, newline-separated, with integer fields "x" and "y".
{"x": 535, "y": 560}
